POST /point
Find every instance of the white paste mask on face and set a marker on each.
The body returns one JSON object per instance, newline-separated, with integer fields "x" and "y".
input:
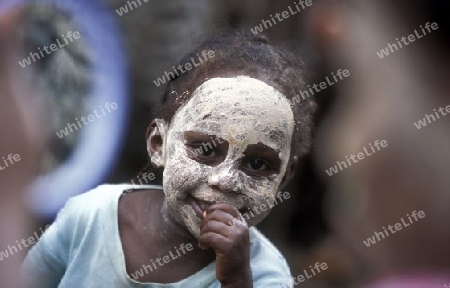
{"x": 242, "y": 111}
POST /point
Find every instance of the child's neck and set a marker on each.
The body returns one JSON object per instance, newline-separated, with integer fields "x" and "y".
{"x": 154, "y": 219}
{"x": 172, "y": 229}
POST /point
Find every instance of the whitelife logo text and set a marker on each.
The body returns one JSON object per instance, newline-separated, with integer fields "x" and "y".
{"x": 53, "y": 48}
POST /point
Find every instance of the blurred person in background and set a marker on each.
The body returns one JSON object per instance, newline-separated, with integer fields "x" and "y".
{"x": 384, "y": 99}
{"x": 20, "y": 134}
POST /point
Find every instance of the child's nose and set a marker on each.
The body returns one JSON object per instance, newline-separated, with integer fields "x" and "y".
{"x": 224, "y": 177}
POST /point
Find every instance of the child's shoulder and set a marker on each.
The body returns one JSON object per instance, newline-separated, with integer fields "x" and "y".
{"x": 101, "y": 192}
{"x": 102, "y": 200}
{"x": 95, "y": 199}
{"x": 266, "y": 258}
{"x": 259, "y": 241}
{"x": 83, "y": 209}
{"x": 93, "y": 206}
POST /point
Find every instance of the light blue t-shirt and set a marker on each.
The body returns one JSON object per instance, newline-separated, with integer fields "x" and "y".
{"x": 82, "y": 248}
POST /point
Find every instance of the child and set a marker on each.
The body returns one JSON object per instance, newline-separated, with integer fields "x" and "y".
{"x": 228, "y": 140}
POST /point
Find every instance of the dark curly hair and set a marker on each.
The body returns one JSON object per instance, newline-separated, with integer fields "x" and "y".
{"x": 240, "y": 53}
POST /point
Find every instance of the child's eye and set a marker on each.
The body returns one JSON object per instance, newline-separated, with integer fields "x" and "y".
{"x": 260, "y": 161}
{"x": 209, "y": 153}
{"x": 201, "y": 153}
{"x": 257, "y": 164}
{"x": 258, "y": 167}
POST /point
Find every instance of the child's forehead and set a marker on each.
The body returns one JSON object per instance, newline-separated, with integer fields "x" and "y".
{"x": 238, "y": 98}
{"x": 238, "y": 88}
{"x": 237, "y": 109}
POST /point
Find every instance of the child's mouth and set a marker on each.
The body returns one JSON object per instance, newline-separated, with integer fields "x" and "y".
{"x": 199, "y": 206}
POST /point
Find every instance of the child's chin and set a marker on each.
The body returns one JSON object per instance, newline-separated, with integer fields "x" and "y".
{"x": 195, "y": 231}
{"x": 191, "y": 221}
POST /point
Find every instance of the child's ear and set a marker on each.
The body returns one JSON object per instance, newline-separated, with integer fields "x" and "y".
{"x": 156, "y": 138}
{"x": 290, "y": 171}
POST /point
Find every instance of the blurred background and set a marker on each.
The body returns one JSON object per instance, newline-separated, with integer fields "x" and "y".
{"x": 120, "y": 54}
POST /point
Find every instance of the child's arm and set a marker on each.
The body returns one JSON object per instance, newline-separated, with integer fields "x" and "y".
{"x": 46, "y": 262}
{"x": 224, "y": 230}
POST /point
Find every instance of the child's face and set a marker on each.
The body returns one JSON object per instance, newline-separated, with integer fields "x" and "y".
{"x": 249, "y": 126}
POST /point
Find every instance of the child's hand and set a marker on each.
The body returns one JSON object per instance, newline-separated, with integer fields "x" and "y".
{"x": 225, "y": 230}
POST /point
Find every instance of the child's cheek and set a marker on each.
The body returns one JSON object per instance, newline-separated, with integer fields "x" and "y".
{"x": 181, "y": 173}
{"x": 260, "y": 196}
{"x": 179, "y": 177}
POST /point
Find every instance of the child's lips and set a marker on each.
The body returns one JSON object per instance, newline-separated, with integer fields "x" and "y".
{"x": 199, "y": 206}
